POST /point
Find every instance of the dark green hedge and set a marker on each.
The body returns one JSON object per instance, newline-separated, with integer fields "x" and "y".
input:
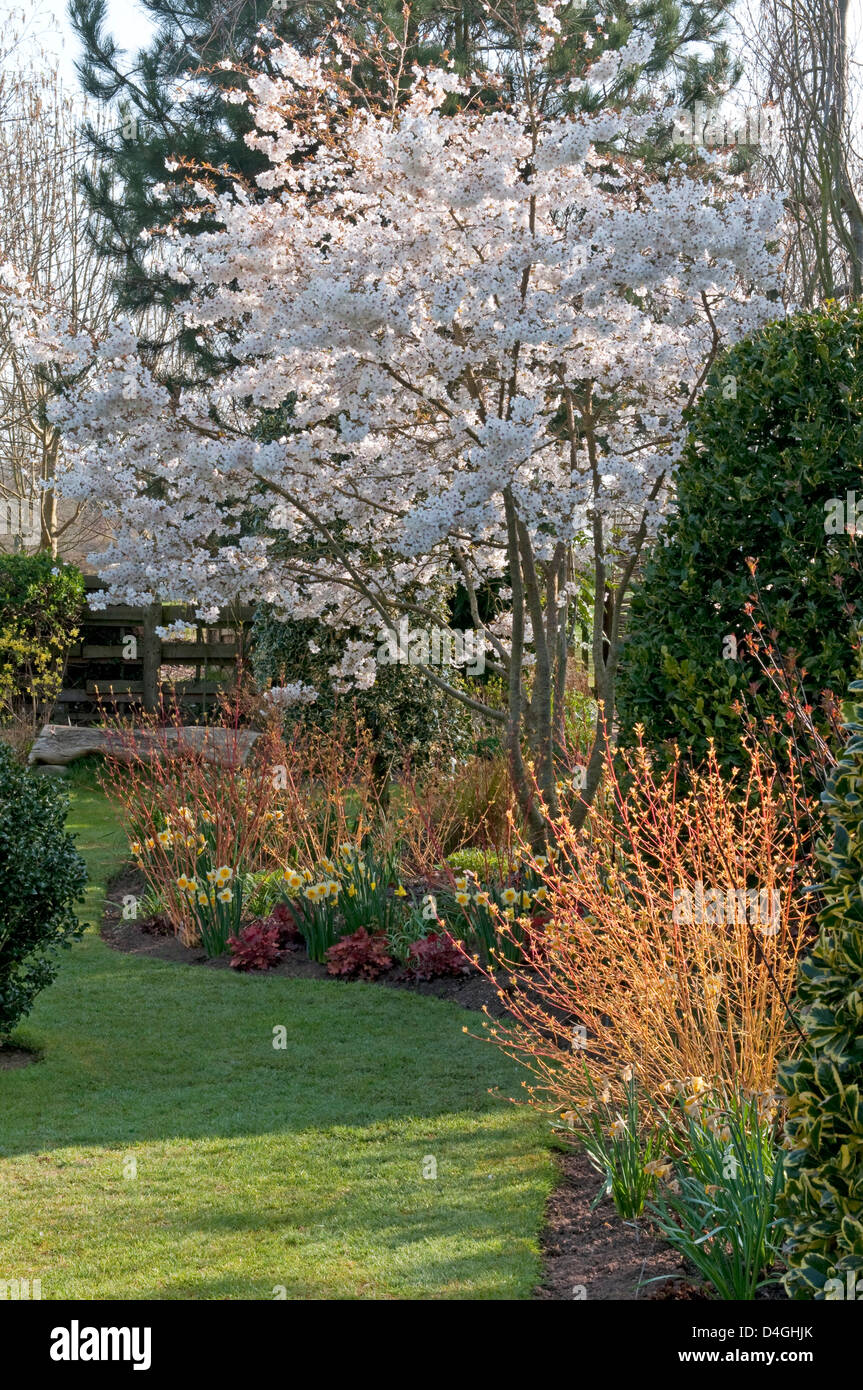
{"x": 777, "y": 433}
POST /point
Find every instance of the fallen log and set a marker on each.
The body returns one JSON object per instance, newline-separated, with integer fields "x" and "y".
{"x": 59, "y": 744}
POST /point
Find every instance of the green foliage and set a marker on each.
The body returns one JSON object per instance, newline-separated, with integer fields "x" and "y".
{"x": 822, "y": 1203}
{"x": 40, "y": 604}
{"x": 403, "y": 711}
{"x": 626, "y": 1153}
{"x": 474, "y": 911}
{"x": 152, "y": 903}
{"x": 217, "y": 906}
{"x": 720, "y": 1211}
{"x": 369, "y": 885}
{"x": 262, "y": 890}
{"x": 777, "y": 433}
{"x": 41, "y": 877}
{"x": 579, "y": 720}
{"x": 402, "y": 933}
{"x": 482, "y": 863}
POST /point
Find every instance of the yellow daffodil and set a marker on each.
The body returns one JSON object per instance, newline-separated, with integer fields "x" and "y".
{"x": 658, "y": 1168}
{"x": 401, "y": 891}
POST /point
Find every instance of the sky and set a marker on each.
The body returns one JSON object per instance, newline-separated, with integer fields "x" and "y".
{"x": 48, "y": 23}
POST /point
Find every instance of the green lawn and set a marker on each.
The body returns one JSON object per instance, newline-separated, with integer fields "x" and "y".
{"x": 162, "y": 1148}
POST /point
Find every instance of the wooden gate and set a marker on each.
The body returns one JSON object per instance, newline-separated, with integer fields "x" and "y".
{"x": 119, "y": 663}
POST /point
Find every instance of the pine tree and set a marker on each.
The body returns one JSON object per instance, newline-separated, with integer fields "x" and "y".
{"x": 151, "y": 126}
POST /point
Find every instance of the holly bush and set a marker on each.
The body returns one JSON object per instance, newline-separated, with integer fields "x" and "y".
{"x": 41, "y": 876}
{"x": 777, "y": 434}
{"x": 822, "y": 1200}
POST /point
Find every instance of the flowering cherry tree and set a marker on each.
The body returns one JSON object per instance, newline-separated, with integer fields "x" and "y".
{"x": 464, "y": 336}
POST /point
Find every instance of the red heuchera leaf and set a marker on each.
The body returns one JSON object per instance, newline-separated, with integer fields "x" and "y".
{"x": 256, "y": 948}
{"x": 436, "y": 955}
{"x": 284, "y": 920}
{"x": 359, "y": 956}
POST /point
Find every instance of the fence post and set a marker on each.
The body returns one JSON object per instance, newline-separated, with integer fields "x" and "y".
{"x": 151, "y": 656}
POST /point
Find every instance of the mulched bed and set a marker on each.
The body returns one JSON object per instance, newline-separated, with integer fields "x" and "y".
{"x": 594, "y": 1255}
{"x": 587, "y": 1254}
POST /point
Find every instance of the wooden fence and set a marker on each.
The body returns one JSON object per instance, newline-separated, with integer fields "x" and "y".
{"x": 119, "y": 663}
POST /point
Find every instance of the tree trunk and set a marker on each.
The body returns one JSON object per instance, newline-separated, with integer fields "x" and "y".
{"x": 151, "y": 657}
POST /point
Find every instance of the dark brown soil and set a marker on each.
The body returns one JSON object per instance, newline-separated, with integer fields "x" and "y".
{"x": 12, "y": 1057}
{"x": 594, "y": 1255}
